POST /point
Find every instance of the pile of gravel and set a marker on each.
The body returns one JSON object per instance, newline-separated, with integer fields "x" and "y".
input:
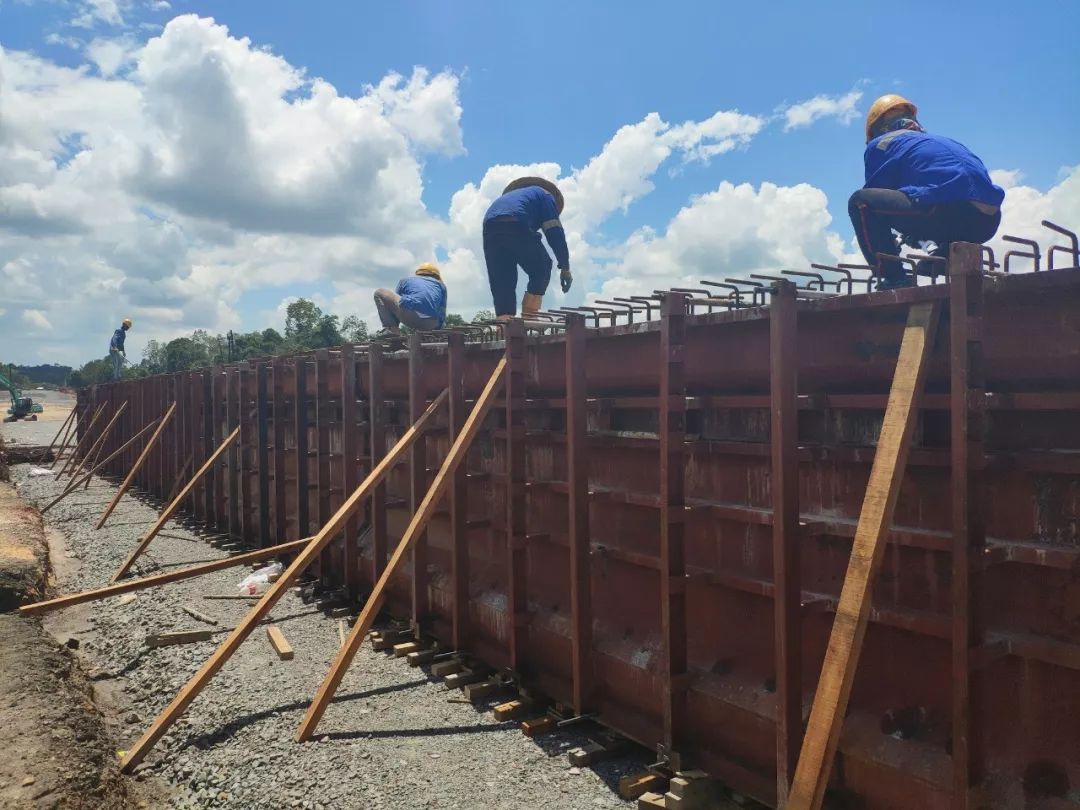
{"x": 390, "y": 740}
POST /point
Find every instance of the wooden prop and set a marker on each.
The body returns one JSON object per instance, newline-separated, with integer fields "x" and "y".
{"x": 78, "y": 445}
{"x": 415, "y": 529}
{"x": 163, "y": 579}
{"x": 136, "y": 466}
{"x": 311, "y": 551}
{"x": 92, "y": 455}
{"x": 73, "y": 484}
{"x": 167, "y": 512}
{"x": 867, "y": 553}
{"x": 63, "y": 425}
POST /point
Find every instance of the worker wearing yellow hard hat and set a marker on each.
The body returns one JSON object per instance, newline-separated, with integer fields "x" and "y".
{"x": 116, "y": 348}
{"x": 923, "y": 186}
{"x": 418, "y": 301}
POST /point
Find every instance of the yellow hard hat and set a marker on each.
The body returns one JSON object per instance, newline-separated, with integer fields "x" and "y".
{"x": 882, "y": 107}
{"x": 429, "y": 269}
{"x": 126, "y": 323}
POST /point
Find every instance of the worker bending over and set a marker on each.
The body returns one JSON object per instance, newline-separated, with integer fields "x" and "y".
{"x": 925, "y": 187}
{"x": 418, "y": 301}
{"x": 511, "y": 239}
{"x": 116, "y": 348}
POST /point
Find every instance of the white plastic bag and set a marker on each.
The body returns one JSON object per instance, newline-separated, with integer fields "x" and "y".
{"x": 36, "y": 471}
{"x": 256, "y": 581}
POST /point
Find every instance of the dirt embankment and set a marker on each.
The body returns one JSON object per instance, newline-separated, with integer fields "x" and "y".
{"x": 58, "y": 753}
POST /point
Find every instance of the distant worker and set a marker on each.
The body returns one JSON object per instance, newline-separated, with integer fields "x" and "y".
{"x": 925, "y": 187}
{"x": 511, "y": 240}
{"x": 418, "y": 301}
{"x": 116, "y": 348}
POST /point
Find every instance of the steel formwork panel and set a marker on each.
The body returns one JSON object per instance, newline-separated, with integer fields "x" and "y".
{"x": 612, "y": 536}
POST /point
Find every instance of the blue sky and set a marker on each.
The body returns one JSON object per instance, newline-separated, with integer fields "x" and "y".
{"x": 553, "y": 84}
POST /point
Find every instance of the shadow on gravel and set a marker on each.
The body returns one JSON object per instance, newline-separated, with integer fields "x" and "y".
{"x": 230, "y": 728}
{"x": 438, "y": 731}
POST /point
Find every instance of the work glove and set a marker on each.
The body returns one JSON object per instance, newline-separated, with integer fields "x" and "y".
{"x": 565, "y": 280}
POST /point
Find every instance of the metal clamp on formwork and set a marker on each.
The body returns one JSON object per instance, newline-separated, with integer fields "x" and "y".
{"x": 628, "y": 308}
{"x": 800, "y": 292}
{"x": 1034, "y": 253}
{"x": 1073, "y": 251}
{"x": 757, "y": 290}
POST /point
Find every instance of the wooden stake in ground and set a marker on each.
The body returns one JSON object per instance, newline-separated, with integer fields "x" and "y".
{"x": 167, "y": 512}
{"x": 852, "y": 613}
{"x": 280, "y": 644}
{"x": 74, "y": 484}
{"x": 416, "y": 527}
{"x": 215, "y": 662}
{"x": 63, "y": 425}
{"x": 163, "y": 579}
{"x": 85, "y": 436}
{"x": 135, "y": 467}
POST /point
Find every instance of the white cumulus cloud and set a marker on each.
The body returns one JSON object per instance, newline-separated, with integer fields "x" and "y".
{"x": 805, "y": 113}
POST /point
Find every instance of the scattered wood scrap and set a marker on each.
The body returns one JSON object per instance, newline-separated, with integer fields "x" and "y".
{"x": 180, "y": 637}
{"x": 636, "y": 785}
{"x": 280, "y": 644}
{"x": 513, "y": 708}
{"x": 342, "y": 633}
{"x": 202, "y": 617}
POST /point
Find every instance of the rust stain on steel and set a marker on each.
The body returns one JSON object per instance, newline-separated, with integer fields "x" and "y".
{"x": 668, "y": 623}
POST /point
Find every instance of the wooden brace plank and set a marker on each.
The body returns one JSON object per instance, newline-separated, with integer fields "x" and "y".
{"x": 135, "y": 467}
{"x": 853, "y": 611}
{"x": 167, "y": 512}
{"x": 414, "y": 529}
{"x": 217, "y": 660}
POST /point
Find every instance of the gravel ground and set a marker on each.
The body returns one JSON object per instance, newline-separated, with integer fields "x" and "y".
{"x": 392, "y": 739}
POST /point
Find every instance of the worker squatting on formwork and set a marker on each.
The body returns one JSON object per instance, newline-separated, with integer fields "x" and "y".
{"x": 511, "y": 239}
{"x": 116, "y": 348}
{"x": 418, "y": 301}
{"x": 925, "y": 187}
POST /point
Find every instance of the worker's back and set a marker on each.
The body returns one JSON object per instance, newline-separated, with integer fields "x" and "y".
{"x": 532, "y": 206}
{"x": 424, "y": 295}
{"x": 929, "y": 169}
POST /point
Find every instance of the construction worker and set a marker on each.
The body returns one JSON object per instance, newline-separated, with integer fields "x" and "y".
{"x": 511, "y": 239}
{"x": 116, "y": 348}
{"x": 418, "y": 301}
{"x": 926, "y": 187}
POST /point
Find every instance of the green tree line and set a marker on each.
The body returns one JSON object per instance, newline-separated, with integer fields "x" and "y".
{"x": 306, "y": 327}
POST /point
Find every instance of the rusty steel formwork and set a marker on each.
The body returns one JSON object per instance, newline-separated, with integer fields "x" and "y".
{"x": 654, "y": 524}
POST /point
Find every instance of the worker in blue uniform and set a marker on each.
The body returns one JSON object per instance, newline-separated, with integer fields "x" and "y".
{"x": 926, "y": 187}
{"x": 418, "y": 301}
{"x": 511, "y": 239}
{"x": 116, "y": 348}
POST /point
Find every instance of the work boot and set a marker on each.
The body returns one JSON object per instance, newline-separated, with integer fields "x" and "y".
{"x": 531, "y": 304}
{"x": 389, "y": 332}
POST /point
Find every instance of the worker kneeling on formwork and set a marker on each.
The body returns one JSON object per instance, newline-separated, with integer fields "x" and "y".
{"x": 926, "y": 187}
{"x": 511, "y": 239}
{"x": 418, "y": 301}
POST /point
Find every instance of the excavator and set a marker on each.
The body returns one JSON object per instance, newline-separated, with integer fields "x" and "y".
{"x": 21, "y": 407}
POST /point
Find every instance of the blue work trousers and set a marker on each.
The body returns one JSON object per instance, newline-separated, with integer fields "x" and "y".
{"x": 509, "y": 244}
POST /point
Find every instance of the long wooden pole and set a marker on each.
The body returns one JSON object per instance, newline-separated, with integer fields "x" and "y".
{"x": 217, "y": 660}
{"x": 167, "y": 512}
{"x": 79, "y": 444}
{"x": 135, "y": 467}
{"x": 74, "y": 484}
{"x": 163, "y": 579}
{"x": 64, "y": 424}
{"x": 415, "y": 529}
{"x": 90, "y": 457}
{"x": 867, "y": 553}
